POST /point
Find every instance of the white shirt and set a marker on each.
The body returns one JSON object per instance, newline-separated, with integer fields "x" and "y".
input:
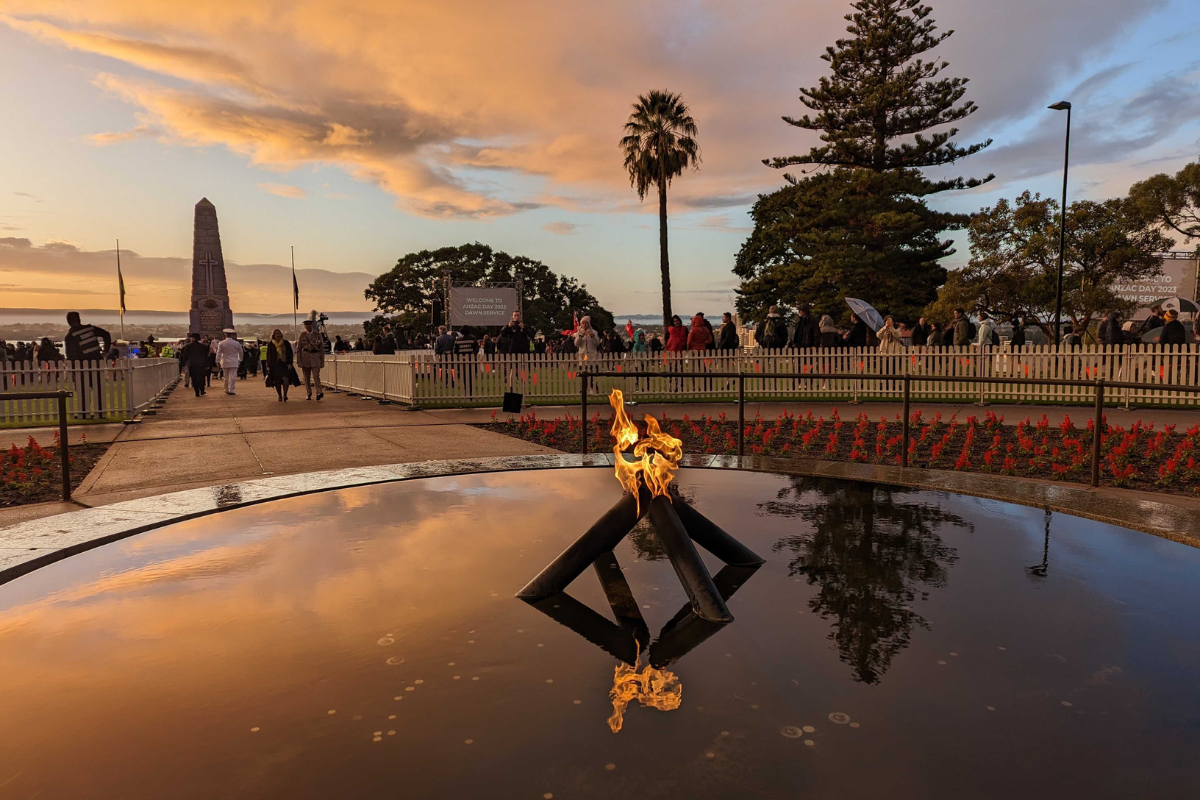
{"x": 229, "y": 353}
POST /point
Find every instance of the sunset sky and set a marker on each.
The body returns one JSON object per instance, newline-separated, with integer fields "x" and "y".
{"x": 360, "y": 130}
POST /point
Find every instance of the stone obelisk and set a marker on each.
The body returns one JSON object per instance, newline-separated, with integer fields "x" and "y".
{"x": 210, "y": 312}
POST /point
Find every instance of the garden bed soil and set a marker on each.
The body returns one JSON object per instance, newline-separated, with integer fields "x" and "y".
{"x": 33, "y": 474}
{"x": 1137, "y": 457}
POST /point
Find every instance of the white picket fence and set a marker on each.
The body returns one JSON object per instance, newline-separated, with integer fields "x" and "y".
{"x": 100, "y": 390}
{"x": 458, "y": 380}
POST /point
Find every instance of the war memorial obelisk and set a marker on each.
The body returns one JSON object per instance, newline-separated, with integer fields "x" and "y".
{"x": 210, "y": 313}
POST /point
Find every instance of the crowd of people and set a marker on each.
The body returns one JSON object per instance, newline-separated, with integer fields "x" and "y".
{"x": 201, "y": 359}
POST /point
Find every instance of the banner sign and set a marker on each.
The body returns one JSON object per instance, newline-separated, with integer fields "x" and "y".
{"x": 1178, "y": 278}
{"x": 474, "y": 305}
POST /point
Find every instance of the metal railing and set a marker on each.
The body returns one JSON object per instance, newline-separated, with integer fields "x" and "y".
{"x": 1097, "y": 387}
{"x": 100, "y": 390}
{"x": 63, "y": 447}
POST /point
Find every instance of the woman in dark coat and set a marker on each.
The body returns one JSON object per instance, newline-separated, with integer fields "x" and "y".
{"x": 857, "y": 337}
{"x": 47, "y": 353}
{"x": 279, "y": 364}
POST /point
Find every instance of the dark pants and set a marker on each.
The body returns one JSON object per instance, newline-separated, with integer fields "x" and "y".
{"x": 199, "y": 374}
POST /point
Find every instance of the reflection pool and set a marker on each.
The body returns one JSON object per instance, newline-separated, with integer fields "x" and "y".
{"x": 366, "y": 643}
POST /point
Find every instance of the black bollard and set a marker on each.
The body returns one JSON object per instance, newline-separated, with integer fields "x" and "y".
{"x": 713, "y": 538}
{"x": 603, "y": 536}
{"x": 698, "y": 584}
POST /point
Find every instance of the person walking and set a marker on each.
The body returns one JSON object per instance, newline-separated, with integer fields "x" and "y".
{"x": 514, "y": 338}
{"x": 889, "y": 337}
{"x": 1173, "y": 331}
{"x": 83, "y": 344}
{"x": 310, "y": 355}
{"x": 987, "y": 330}
{"x": 193, "y": 359}
{"x": 962, "y": 328}
{"x": 727, "y": 336}
{"x": 47, "y": 353}
{"x": 700, "y": 337}
{"x": 677, "y": 336}
{"x": 920, "y": 333}
{"x": 857, "y": 335}
{"x": 229, "y": 356}
{"x": 807, "y": 331}
{"x": 280, "y": 370}
{"x": 827, "y": 333}
{"x": 1018, "y": 332}
{"x": 772, "y": 333}
{"x": 587, "y": 343}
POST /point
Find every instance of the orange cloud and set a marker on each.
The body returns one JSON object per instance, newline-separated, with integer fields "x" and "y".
{"x": 284, "y": 190}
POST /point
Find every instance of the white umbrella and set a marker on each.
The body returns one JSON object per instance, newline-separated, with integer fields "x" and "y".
{"x": 864, "y": 311}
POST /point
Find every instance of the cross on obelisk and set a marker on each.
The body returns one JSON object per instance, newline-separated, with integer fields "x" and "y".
{"x": 208, "y": 263}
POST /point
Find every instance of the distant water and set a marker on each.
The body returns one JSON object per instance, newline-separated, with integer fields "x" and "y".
{"x": 33, "y": 316}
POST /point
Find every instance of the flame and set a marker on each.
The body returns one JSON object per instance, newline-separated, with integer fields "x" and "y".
{"x": 656, "y": 456}
{"x": 654, "y": 688}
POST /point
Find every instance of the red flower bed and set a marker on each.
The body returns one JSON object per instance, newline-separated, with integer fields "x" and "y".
{"x": 33, "y": 474}
{"x": 1139, "y": 457}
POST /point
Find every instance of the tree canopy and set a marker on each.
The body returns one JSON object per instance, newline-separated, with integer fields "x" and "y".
{"x": 857, "y": 223}
{"x": 549, "y": 300}
{"x": 659, "y": 144}
{"x": 1171, "y": 201}
{"x": 1014, "y": 260}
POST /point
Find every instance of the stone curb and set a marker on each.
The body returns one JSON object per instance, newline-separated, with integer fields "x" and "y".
{"x": 37, "y": 543}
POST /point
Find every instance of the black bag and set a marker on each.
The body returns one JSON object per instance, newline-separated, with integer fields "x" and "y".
{"x": 512, "y": 402}
{"x": 293, "y": 378}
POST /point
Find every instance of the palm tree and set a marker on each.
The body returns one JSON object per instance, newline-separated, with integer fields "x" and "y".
{"x": 659, "y": 143}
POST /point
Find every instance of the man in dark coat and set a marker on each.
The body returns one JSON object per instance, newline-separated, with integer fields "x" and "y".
{"x": 772, "y": 332}
{"x": 193, "y": 357}
{"x": 514, "y": 337}
{"x": 727, "y": 338}
{"x": 807, "y": 332}
{"x": 1173, "y": 331}
{"x": 1018, "y": 332}
{"x": 920, "y": 333}
{"x": 83, "y": 343}
{"x": 857, "y": 335}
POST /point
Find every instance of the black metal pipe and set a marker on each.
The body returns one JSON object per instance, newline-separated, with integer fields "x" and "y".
{"x": 698, "y": 584}
{"x": 603, "y": 536}
{"x": 713, "y": 538}
{"x": 904, "y": 439}
{"x": 741, "y": 415}
{"x": 583, "y": 387}
{"x": 64, "y": 448}
{"x": 602, "y": 632}
{"x": 686, "y": 631}
{"x": 620, "y": 598}
{"x": 1096, "y": 427}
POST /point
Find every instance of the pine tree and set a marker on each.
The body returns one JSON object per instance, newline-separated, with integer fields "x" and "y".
{"x": 861, "y": 220}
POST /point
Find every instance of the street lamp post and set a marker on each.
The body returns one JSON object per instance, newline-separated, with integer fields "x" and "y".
{"x": 1062, "y": 105}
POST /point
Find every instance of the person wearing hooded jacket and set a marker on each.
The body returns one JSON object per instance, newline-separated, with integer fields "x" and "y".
{"x": 827, "y": 332}
{"x": 677, "y": 335}
{"x": 700, "y": 337}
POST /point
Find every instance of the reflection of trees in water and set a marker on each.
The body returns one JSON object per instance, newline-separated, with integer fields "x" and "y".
{"x": 871, "y": 553}
{"x": 645, "y": 541}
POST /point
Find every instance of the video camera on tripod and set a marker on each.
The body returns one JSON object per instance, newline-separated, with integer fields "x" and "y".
{"x": 318, "y": 321}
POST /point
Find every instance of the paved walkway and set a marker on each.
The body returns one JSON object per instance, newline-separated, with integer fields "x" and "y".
{"x": 194, "y": 442}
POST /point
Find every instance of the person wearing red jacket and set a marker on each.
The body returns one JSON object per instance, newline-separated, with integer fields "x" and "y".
{"x": 700, "y": 336}
{"x": 677, "y": 336}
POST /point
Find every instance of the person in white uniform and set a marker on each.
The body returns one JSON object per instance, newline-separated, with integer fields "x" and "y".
{"x": 229, "y": 355}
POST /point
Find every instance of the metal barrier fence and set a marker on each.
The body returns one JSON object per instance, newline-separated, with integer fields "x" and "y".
{"x": 1151, "y": 375}
{"x": 906, "y": 381}
{"x": 60, "y": 399}
{"x": 99, "y": 390}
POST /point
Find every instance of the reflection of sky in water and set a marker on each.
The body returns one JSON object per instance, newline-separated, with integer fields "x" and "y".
{"x": 203, "y": 659}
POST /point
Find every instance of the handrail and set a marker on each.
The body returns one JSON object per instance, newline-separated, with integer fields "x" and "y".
{"x": 907, "y": 379}
{"x": 63, "y": 447}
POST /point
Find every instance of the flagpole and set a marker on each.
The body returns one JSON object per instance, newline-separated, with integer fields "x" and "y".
{"x": 120, "y": 290}
{"x": 295, "y": 299}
